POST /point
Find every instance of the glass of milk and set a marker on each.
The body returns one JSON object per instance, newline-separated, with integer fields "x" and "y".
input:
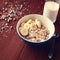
{"x": 51, "y": 10}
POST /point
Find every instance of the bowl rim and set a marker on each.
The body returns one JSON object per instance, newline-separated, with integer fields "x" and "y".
{"x": 27, "y": 39}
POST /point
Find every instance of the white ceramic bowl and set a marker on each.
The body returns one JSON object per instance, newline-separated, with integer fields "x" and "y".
{"x": 44, "y": 20}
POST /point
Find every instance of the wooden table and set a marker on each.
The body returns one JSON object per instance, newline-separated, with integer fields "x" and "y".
{"x": 13, "y": 48}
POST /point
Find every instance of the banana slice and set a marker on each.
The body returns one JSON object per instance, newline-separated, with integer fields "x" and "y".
{"x": 29, "y": 21}
{"x": 23, "y": 31}
{"x": 33, "y": 26}
{"x": 26, "y": 25}
{"x": 32, "y": 40}
{"x": 38, "y": 23}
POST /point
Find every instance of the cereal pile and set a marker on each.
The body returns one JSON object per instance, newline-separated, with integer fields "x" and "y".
{"x": 34, "y": 31}
{"x": 10, "y": 13}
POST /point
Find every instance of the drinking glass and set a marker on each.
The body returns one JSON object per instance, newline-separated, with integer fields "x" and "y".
{"x": 51, "y": 9}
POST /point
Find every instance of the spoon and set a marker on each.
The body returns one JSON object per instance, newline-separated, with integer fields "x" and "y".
{"x": 51, "y": 52}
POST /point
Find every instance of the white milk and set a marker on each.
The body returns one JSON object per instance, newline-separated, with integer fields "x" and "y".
{"x": 51, "y": 10}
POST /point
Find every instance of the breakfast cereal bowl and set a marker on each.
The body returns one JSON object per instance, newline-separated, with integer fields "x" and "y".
{"x": 35, "y": 29}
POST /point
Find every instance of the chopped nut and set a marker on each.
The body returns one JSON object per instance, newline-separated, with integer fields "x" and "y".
{"x": 14, "y": 19}
{"x": 9, "y": 19}
{"x": 21, "y": 6}
{"x": 11, "y": 27}
{"x": 3, "y": 16}
{"x": 3, "y": 8}
{"x": 5, "y": 19}
{"x": 2, "y": 28}
{"x": 6, "y": 24}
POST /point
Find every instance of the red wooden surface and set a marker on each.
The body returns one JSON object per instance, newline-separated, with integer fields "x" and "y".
{"x": 13, "y": 48}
